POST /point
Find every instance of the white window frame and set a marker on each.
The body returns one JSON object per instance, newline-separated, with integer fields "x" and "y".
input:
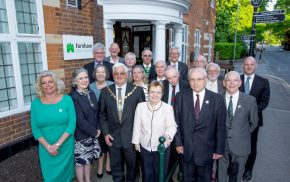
{"x": 197, "y": 46}
{"x": 13, "y": 37}
{"x": 212, "y": 4}
{"x": 209, "y": 47}
{"x": 184, "y": 44}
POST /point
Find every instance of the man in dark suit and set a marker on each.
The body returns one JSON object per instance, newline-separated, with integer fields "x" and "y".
{"x": 213, "y": 80}
{"x": 160, "y": 67}
{"x": 180, "y": 66}
{"x": 147, "y": 65}
{"x": 117, "y": 109}
{"x": 200, "y": 115}
{"x": 99, "y": 55}
{"x": 114, "y": 58}
{"x": 258, "y": 87}
{"x": 200, "y": 62}
{"x": 242, "y": 119}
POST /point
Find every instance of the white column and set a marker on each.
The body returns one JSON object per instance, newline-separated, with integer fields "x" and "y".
{"x": 159, "y": 52}
{"x": 108, "y": 26}
{"x": 178, "y": 29}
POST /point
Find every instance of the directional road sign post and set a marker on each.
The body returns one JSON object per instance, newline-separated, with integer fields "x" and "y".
{"x": 247, "y": 37}
{"x": 270, "y": 18}
{"x": 256, "y": 3}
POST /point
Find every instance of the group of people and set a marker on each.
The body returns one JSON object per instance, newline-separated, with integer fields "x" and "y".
{"x": 117, "y": 111}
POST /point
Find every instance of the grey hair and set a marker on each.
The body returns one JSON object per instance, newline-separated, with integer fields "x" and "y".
{"x": 169, "y": 68}
{"x": 213, "y": 65}
{"x": 98, "y": 46}
{"x": 146, "y": 50}
{"x": 145, "y": 80}
{"x": 202, "y": 58}
{"x": 200, "y": 70}
{"x": 59, "y": 83}
{"x": 173, "y": 48}
{"x": 118, "y": 65}
{"x": 232, "y": 73}
{"x": 130, "y": 54}
{"x": 75, "y": 73}
{"x": 251, "y": 58}
{"x": 161, "y": 62}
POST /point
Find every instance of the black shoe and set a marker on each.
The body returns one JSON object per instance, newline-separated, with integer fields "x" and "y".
{"x": 109, "y": 172}
{"x": 99, "y": 175}
{"x": 247, "y": 175}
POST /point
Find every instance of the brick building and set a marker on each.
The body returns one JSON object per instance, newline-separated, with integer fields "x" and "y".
{"x": 31, "y": 40}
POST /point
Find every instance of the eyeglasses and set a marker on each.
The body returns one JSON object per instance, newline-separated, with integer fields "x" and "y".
{"x": 197, "y": 79}
{"x": 98, "y": 52}
{"x": 119, "y": 73}
{"x": 147, "y": 55}
{"x": 232, "y": 81}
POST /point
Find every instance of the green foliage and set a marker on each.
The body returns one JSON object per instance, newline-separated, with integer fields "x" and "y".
{"x": 226, "y": 50}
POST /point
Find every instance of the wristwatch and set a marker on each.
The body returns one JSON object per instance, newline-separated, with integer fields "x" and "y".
{"x": 57, "y": 144}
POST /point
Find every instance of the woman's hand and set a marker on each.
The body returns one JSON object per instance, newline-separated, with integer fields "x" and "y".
{"x": 52, "y": 149}
{"x": 98, "y": 133}
{"x": 137, "y": 147}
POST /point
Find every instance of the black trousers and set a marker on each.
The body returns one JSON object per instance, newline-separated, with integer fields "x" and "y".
{"x": 252, "y": 157}
{"x": 150, "y": 164}
{"x": 119, "y": 158}
{"x": 194, "y": 173}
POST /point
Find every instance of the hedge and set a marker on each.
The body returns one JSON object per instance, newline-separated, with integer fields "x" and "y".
{"x": 226, "y": 50}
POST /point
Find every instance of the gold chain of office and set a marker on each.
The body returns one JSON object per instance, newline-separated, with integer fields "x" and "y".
{"x": 128, "y": 94}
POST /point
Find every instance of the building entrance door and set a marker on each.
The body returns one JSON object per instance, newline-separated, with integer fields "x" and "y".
{"x": 142, "y": 39}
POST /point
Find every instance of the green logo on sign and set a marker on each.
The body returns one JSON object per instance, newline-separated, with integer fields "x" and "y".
{"x": 70, "y": 48}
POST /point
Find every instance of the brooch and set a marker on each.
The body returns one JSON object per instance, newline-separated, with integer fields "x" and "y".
{"x": 60, "y": 110}
{"x": 239, "y": 106}
{"x": 207, "y": 102}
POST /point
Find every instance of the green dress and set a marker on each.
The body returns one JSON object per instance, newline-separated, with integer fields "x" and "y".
{"x": 51, "y": 121}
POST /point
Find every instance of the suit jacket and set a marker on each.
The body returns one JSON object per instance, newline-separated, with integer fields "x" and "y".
{"x": 182, "y": 68}
{"x": 108, "y": 113}
{"x": 182, "y": 86}
{"x": 121, "y": 60}
{"x": 244, "y": 122}
{"x": 86, "y": 115}
{"x": 261, "y": 90}
{"x": 200, "y": 140}
{"x": 220, "y": 87}
{"x": 91, "y": 66}
{"x": 152, "y": 73}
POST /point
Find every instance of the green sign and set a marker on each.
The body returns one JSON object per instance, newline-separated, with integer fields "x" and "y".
{"x": 70, "y": 48}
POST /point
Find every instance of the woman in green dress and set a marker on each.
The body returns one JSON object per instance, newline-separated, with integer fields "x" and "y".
{"x": 53, "y": 122}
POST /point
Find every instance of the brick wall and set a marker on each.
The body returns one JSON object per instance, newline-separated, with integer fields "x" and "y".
{"x": 59, "y": 19}
{"x": 200, "y": 11}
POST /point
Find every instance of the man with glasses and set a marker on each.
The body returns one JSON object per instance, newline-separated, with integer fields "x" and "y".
{"x": 99, "y": 56}
{"x": 148, "y": 65}
{"x": 200, "y": 138}
{"x": 117, "y": 109}
{"x": 242, "y": 119}
{"x": 114, "y": 58}
{"x": 200, "y": 62}
{"x": 180, "y": 66}
{"x": 213, "y": 83}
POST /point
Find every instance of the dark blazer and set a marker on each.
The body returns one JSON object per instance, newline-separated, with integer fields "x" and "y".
{"x": 182, "y": 68}
{"x": 152, "y": 73}
{"x": 110, "y": 124}
{"x": 182, "y": 86}
{"x": 86, "y": 115}
{"x": 244, "y": 122}
{"x": 261, "y": 90}
{"x": 91, "y": 66}
{"x": 121, "y": 60}
{"x": 200, "y": 140}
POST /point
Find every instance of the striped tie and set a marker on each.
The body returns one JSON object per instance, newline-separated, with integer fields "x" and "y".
{"x": 197, "y": 108}
{"x": 230, "y": 109}
{"x": 247, "y": 85}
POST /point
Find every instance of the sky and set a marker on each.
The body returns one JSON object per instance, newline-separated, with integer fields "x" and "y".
{"x": 271, "y": 5}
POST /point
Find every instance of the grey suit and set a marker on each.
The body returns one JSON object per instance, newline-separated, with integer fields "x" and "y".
{"x": 238, "y": 142}
{"x": 121, "y": 60}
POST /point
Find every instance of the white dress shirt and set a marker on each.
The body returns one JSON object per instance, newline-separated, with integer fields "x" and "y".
{"x": 212, "y": 86}
{"x": 234, "y": 100}
{"x": 201, "y": 97}
{"x": 176, "y": 64}
{"x": 170, "y": 91}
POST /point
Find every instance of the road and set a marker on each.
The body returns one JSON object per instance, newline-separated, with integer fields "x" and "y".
{"x": 273, "y": 160}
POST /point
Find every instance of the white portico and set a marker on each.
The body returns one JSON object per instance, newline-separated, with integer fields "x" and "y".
{"x": 139, "y": 18}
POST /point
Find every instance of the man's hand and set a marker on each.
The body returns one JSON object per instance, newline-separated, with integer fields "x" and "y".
{"x": 179, "y": 150}
{"x": 216, "y": 156}
{"x": 137, "y": 147}
{"x": 98, "y": 133}
{"x": 108, "y": 139}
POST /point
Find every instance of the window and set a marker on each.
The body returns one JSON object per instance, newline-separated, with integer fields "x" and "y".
{"x": 72, "y": 3}
{"x": 26, "y": 15}
{"x": 22, "y": 53}
{"x": 184, "y": 44}
{"x": 3, "y": 17}
{"x": 212, "y": 4}
{"x": 209, "y": 47}
{"x": 197, "y": 43}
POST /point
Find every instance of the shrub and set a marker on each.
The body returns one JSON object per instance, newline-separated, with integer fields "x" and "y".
{"x": 226, "y": 50}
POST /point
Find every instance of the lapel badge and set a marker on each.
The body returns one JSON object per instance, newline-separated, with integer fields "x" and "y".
{"x": 60, "y": 110}
{"x": 207, "y": 102}
{"x": 239, "y": 106}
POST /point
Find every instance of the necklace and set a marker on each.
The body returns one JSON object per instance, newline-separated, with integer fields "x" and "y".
{"x": 126, "y": 96}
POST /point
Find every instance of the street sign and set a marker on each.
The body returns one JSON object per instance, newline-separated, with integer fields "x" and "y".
{"x": 247, "y": 37}
{"x": 269, "y": 12}
{"x": 256, "y": 3}
{"x": 270, "y": 18}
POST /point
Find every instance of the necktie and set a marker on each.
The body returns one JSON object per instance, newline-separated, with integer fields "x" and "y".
{"x": 173, "y": 95}
{"x": 120, "y": 109}
{"x": 247, "y": 85}
{"x": 147, "y": 69}
{"x": 197, "y": 108}
{"x": 174, "y": 65}
{"x": 230, "y": 109}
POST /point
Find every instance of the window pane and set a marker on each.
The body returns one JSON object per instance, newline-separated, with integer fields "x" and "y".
{"x": 31, "y": 65}
{"x": 26, "y": 12}
{"x": 3, "y": 17}
{"x": 7, "y": 80}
